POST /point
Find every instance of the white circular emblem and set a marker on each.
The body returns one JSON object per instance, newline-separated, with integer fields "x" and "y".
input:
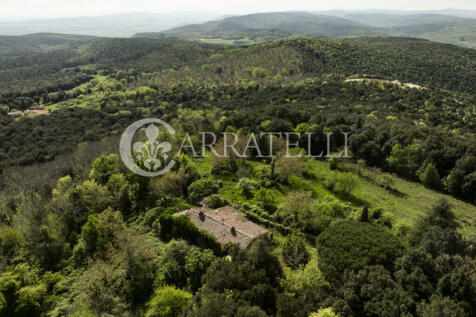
{"x": 152, "y": 154}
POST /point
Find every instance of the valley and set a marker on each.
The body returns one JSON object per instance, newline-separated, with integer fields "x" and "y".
{"x": 387, "y": 230}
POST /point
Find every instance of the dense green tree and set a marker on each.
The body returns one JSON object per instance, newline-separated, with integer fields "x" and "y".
{"x": 295, "y": 252}
{"x": 456, "y": 179}
{"x": 349, "y": 245}
{"x": 406, "y": 160}
{"x": 93, "y": 196}
{"x": 202, "y": 188}
{"x": 415, "y": 271}
{"x": 372, "y": 292}
{"x": 196, "y": 264}
{"x": 442, "y": 307}
{"x": 364, "y": 217}
{"x": 11, "y": 241}
{"x": 168, "y": 302}
{"x": 103, "y": 168}
{"x": 170, "y": 185}
{"x": 23, "y": 292}
{"x": 251, "y": 277}
{"x": 430, "y": 177}
{"x": 183, "y": 265}
{"x": 101, "y": 230}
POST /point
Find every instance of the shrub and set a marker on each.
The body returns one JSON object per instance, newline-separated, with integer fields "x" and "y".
{"x": 331, "y": 208}
{"x": 385, "y": 220}
{"x": 331, "y": 182}
{"x": 387, "y": 181}
{"x": 247, "y": 185}
{"x": 170, "y": 184}
{"x": 168, "y": 302}
{"x": 377, "y": 213}
{"x": 346, "y": 182}
{"x": 215, "y": 201}
{"x": 259, "y": 72}
{"x": 143, "y": 92}
{"x": 265, "y": 199}
{"x": 289, "y": 166}
{"x": 334, "y": 164}
{"x": 224, "y": 166}
{"x": 202, "y": 188}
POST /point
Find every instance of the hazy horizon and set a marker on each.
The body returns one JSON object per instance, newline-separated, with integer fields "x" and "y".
{"x": 14, "y": 10}
{"x": 220, "y": 14}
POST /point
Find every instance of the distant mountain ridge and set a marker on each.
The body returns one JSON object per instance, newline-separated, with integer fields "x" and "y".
{"x": 39, "y": 42}
{"x": 299, "y": 22}
{"x": 244, "y": 29}
{"x": 453, "y": 12}
{"x": 395, "y": 20}
{"x": 114, "y": 25}
{"x": 435, "y": 27}
{"x": 262, "y": 27}
{"x": 447, "y": 26}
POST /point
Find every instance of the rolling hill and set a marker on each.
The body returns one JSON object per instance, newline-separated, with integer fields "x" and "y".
{"x": 262, "y": 27}
{"x": 39, "y": 42}
{"x": 386, "y": 229}
{"x": 434, "y": 27}
{"x": 396, "y": 20}
{"x": 80, "y": 235}
{"x": 283, "y": 24}
{"x": 77, "y": 76}
{"x": 458, "y": 31}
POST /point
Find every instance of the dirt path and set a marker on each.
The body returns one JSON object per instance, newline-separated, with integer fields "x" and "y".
{"x": 396, "y": 82}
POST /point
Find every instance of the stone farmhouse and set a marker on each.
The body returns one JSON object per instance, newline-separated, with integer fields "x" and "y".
{"x": 226, "y": 224}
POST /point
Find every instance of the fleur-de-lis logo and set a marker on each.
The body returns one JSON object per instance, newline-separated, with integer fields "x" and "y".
{"x": 152, "y": 153}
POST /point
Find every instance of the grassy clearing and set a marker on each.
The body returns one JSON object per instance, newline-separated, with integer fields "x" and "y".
{"x": 405, "y": 201}
{"x": 90, "y": 94}
{"x": 226, "y": 42}
{"x": 413, "y": 201}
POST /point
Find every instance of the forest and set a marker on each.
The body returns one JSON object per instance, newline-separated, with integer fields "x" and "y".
{"x": 390, "y": 231}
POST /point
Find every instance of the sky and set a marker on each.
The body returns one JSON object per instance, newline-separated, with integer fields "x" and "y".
{"x": 34, "y": 9}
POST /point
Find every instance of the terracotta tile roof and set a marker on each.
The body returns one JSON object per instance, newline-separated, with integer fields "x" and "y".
{"x": 226, "y": 224}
